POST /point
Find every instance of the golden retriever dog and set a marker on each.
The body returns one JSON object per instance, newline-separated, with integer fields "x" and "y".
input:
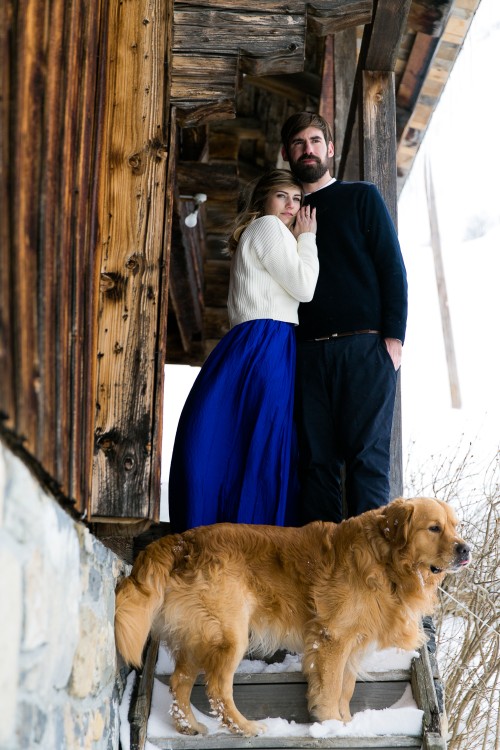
{"x": 327, "y": 591}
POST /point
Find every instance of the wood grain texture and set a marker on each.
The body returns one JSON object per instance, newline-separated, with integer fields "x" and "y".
{"x": 131, "y": 215}
{"x": 7, "y": 386}
{"x": 27, "y": 102}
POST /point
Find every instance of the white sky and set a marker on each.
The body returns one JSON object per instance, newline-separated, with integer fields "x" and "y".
{"x": 460, "y": 146}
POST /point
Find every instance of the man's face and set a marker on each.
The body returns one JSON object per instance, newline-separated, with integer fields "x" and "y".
{"x": 308, "y": 154}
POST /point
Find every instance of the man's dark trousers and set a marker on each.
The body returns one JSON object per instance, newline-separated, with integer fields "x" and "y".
{"x": 345, "y": 396}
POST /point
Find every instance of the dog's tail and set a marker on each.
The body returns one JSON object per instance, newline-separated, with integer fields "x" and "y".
{"x": 138, "y": 600}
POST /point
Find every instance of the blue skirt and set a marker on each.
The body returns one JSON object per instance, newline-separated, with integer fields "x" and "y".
{"x": 235, "y": 450}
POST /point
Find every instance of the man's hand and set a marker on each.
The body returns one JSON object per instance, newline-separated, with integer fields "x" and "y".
{"x": 395, "y": 349}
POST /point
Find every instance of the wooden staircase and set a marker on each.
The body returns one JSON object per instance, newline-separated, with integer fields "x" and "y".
{"x": 283, "y": 694}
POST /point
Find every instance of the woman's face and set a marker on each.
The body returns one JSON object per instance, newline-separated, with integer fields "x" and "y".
{"x": 283, "y": 202}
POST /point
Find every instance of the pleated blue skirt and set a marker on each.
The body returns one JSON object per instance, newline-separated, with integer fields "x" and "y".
{"x": 235, "y": 450}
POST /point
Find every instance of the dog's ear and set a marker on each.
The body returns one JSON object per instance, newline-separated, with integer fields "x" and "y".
{"x": 394, "y": 522}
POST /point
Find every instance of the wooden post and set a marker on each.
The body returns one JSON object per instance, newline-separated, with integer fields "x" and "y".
{"x": 130, "y": 257}
{"x": 379, "y": 166}
{"x": 449, "y": 347}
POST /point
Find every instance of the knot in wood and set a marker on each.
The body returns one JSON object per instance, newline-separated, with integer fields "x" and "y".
{"x": 128, "y": 463}
{"x": 136, "y": 163}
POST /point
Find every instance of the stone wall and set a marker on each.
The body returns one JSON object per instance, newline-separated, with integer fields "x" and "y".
{"x": 59, "y": 681}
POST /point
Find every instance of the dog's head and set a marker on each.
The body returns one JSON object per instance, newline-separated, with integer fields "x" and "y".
{"x": 424, "y": 529}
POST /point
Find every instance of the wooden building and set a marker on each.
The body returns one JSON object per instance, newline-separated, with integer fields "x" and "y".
{"x": 113, "y": 115}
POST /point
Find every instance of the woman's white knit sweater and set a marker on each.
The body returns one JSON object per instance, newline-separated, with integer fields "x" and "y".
{"x": 271, "y": 272}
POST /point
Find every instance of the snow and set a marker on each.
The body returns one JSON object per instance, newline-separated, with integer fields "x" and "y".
{"x": 369, "y": 723}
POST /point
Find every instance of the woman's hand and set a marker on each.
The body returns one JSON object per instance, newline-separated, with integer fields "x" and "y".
{"x": 305, "y": 221}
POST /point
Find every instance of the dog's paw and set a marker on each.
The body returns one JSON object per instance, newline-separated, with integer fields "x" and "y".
{"x": 191, "y": 729}
{"x": 253, "y": 728}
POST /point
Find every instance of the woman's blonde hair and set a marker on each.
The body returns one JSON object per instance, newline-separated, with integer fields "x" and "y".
{"x": 256, "y": 195}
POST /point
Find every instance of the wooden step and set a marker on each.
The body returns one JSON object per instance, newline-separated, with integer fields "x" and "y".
{"x": 229, "y": 742}
{"x": 282, "y": 695}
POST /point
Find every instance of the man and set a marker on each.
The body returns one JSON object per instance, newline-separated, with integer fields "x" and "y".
{"x": 350, "y": 336}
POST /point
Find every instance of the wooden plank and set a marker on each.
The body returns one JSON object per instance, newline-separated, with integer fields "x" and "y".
{"x": 379, "y": 138}
{"x": 201, "y": 30}
{"x": 7, "y": 391}
{"x": 379, "y": 166}
{"x": 203, "y": 112}
{"x": 140, "y": 701}
{"x": 185, "y": 276}
{"x": 27, "y": 102}
{"x": 433, "y": 741}
{"x": 232, "y": 742}
{"x": 268, "y": 699}
{"x": 297, "y": 89}
{"x": 86, "y": 29}
{"x": 344, "y": 62}
{"x": 284, "y": 59}
{"x": 429, "y": 18}
{"x": 275, "y": 679}
{"x": 422, "y": 683}
{"x": 416, "y": 70}
{"x": 159, "y": 392}
{"x": 326, "y": 17}
{"x": 131, "y": 214}
{"x": 203, "y": 77}
{"x": 326, "y": 105}
{"x": 215, "y": 180}
{"x": 248, "y": 6}
{"x": 385, "y": 34}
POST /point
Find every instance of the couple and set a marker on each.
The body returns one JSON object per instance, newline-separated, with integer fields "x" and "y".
{"x": 236, "y": 453}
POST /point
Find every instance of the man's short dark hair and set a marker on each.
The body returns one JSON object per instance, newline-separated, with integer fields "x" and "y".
{"x": 301, "y": 120}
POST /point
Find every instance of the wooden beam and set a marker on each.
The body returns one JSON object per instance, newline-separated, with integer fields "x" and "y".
{"x": 159, "y": 387}
{"x": 203, "y": 112}
{"x": 416, "y": 70}
{"x": 429, "y": 16}
{"x": 379, "y": 166}
{"x": 386, "y": 32}
{"x": 326, "y": 106}
{"x": 199, "y": 30}
{"x": 215, "y": 180}
{"x": 326, "y": 17}
{"x": 296, "y": 89}
{"x": 130, "y": 256}
{"x": 284, "y": 59}
{"x": 7, "y": 368}
{"x": 186, "y": 273}
{"x": 345, "y": 54}
{"x": 379, "y": 47}
{"x": 379, "y": 137}
{"x": 26, "y": 109}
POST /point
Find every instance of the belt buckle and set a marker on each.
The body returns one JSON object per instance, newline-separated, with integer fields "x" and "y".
{"x": 327, "y": 338}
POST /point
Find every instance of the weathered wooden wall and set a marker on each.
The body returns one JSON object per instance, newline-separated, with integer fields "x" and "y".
{"x": 83, "y": 192}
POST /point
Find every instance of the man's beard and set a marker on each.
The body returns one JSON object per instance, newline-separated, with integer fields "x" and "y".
{"x": 309, "y": 173}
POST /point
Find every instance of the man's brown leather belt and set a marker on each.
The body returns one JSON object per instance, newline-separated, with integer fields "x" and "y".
{"x": 346, "y": 333}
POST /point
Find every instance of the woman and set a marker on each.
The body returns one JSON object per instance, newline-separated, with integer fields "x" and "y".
{"x": 234, "y": 456}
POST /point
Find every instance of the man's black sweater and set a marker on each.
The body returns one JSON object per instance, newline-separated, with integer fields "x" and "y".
{"x": 362, "y": 278}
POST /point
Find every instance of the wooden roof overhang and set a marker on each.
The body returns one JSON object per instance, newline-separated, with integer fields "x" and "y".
{"x": 237, "y": 74}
